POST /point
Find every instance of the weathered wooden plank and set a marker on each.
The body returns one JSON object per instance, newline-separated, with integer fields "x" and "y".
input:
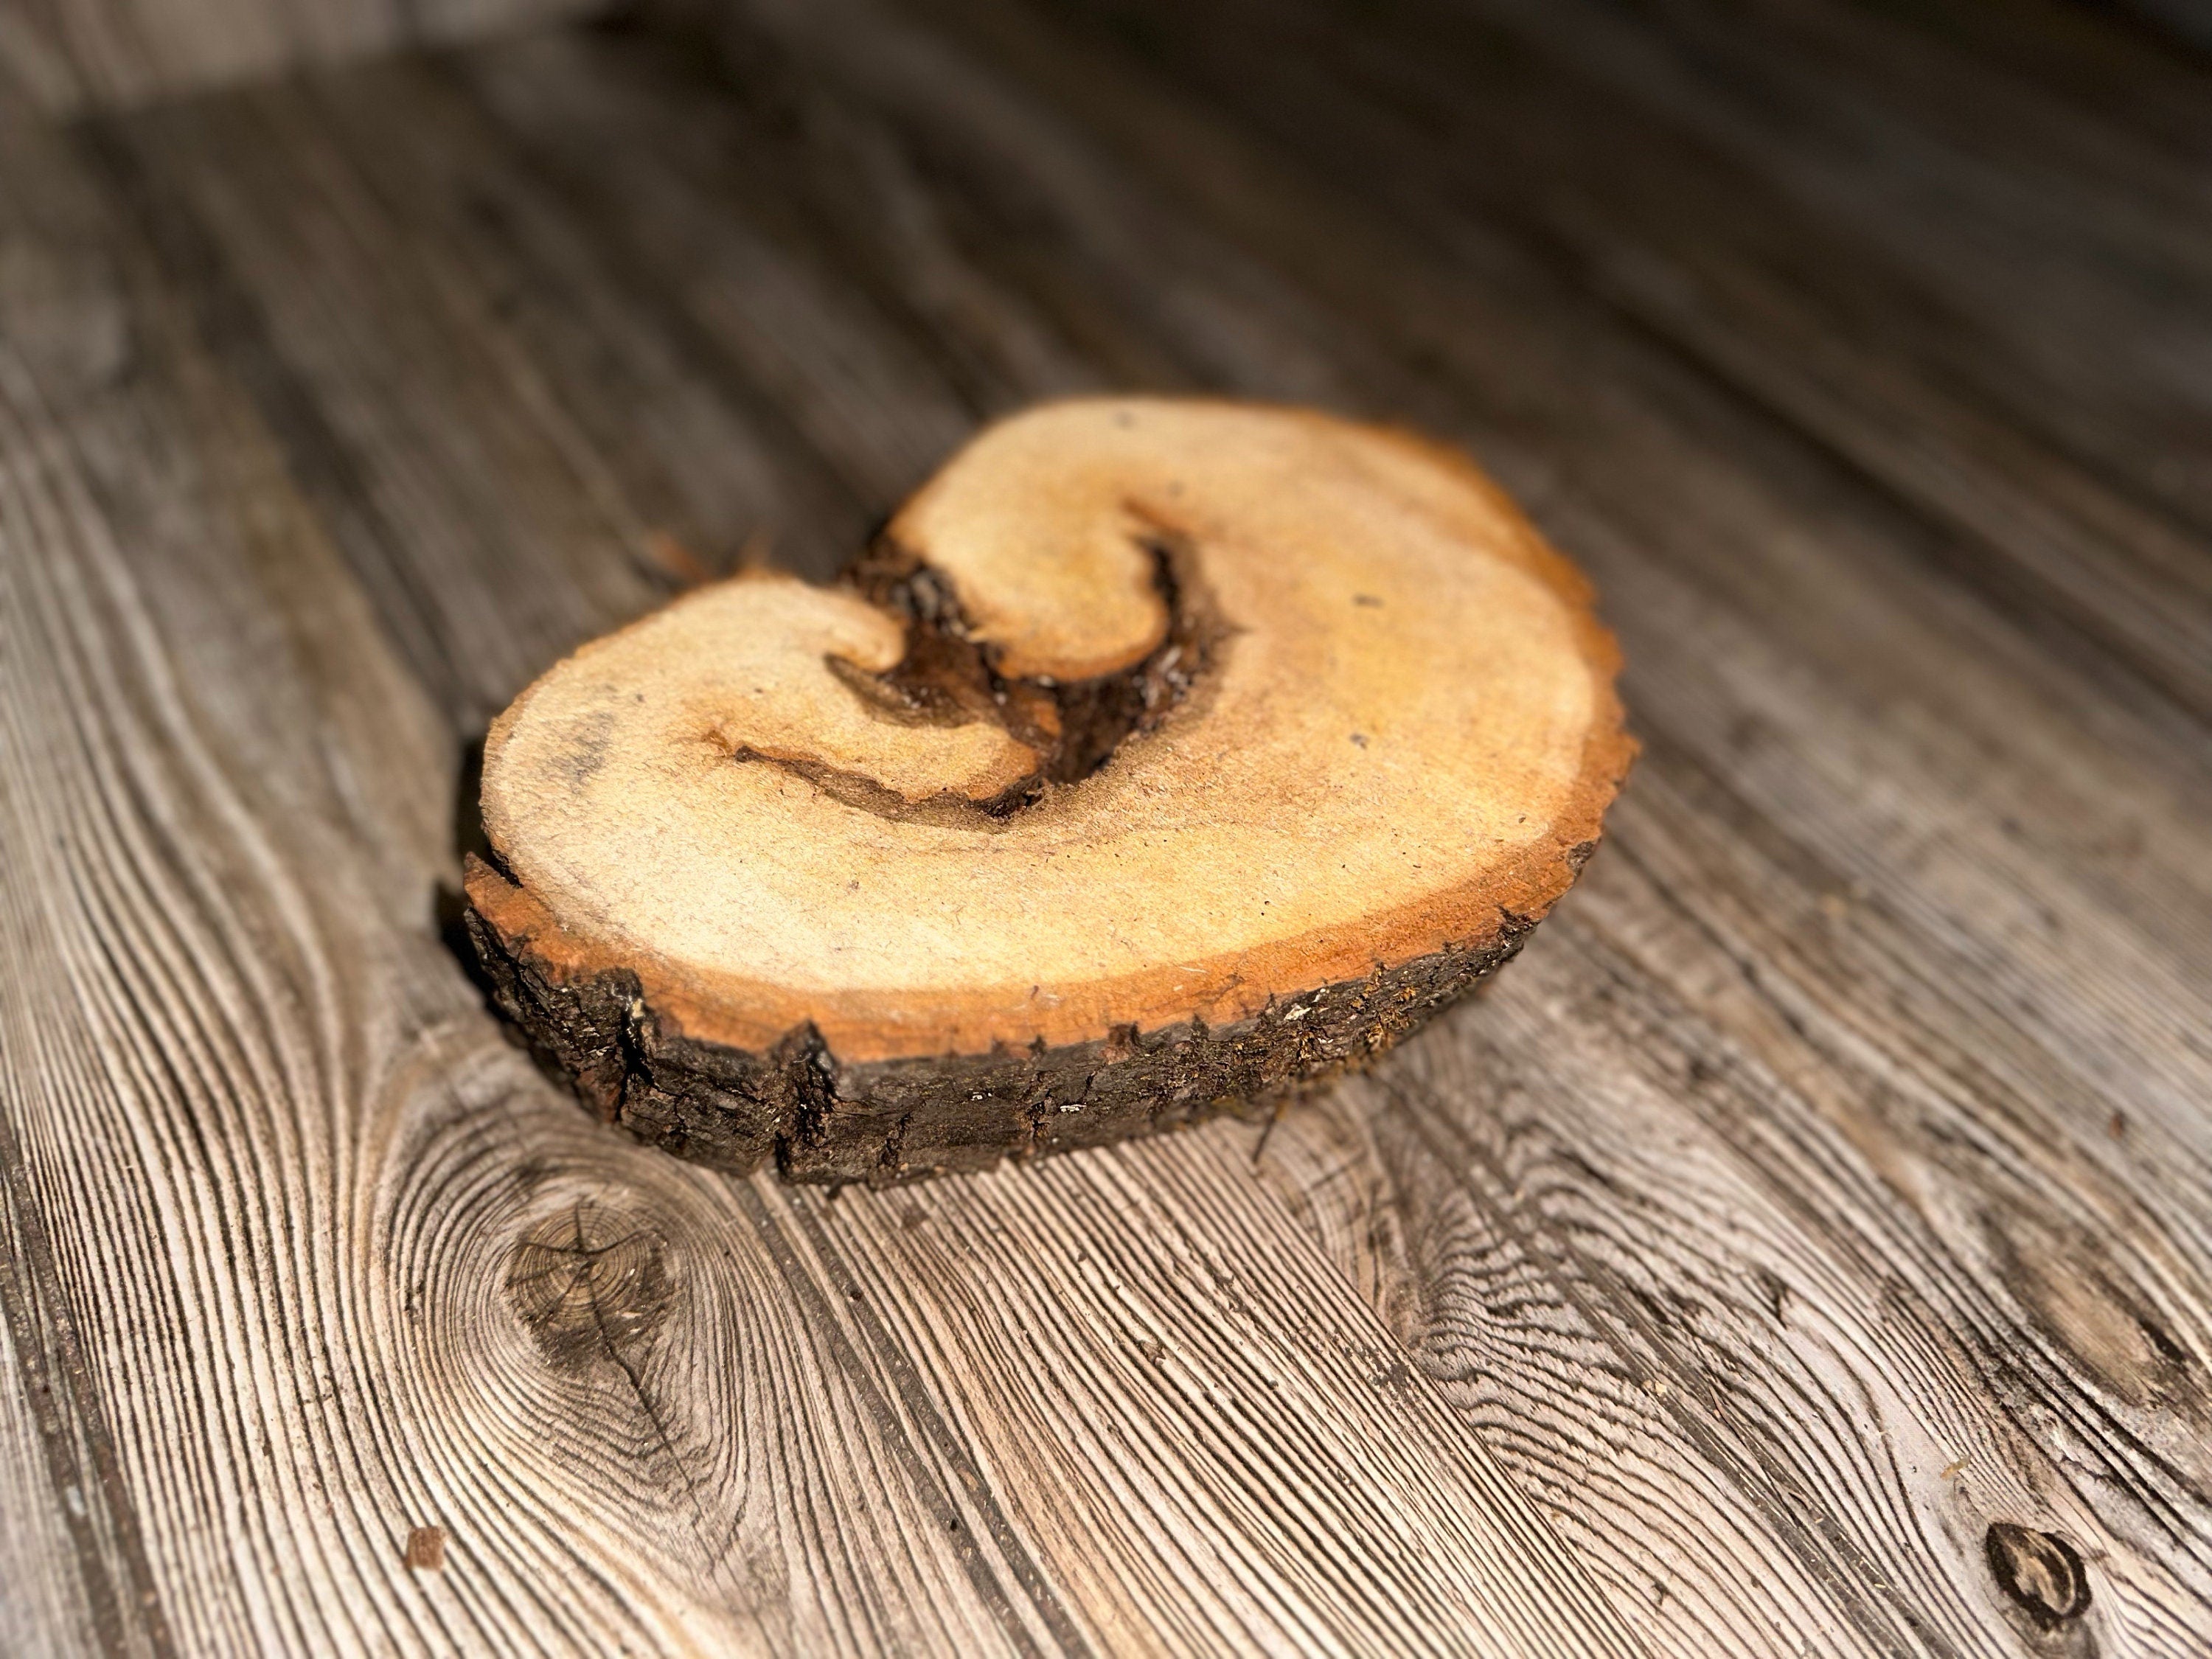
{"x": 2130, "y": 77}
{"x": 1031, "y": 148}
{"x": 70, "y": 56}
{"x": 1948, "y": 304}
{"x": 1945, "y": 215}
{"x": 60, "y": 1562}
{"x": 345, "y": 1267}
{"x": 1780, "y": 1179}
{"x": 2075, "y": 1091}
{"x": 1663, "y": 484}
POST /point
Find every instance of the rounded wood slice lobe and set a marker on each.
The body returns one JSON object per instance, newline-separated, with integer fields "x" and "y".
{"x": 1162, "y": 755}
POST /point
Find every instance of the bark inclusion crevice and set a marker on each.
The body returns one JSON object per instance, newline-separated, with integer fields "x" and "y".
{"x": 949, "y": 677}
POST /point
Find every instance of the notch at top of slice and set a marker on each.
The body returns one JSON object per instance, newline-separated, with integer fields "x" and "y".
{"x": 1145, "y": 720}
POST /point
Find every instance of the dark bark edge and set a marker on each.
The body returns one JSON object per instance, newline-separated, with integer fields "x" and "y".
{"x": 822, "y": 1119}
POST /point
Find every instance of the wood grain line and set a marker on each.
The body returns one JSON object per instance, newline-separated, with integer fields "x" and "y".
{"x": 124, "y": 1621}
{"x": 813, "y": 1296}
{"x": 1609, "y": 1306}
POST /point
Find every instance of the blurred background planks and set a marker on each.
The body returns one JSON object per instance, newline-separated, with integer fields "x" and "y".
{"x": 1806, "y": 1247}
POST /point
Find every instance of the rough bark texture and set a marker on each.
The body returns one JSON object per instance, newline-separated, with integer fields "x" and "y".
{"x": 822, "y": 1119}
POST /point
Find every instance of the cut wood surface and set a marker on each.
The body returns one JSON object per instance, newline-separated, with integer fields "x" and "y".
{"x": 1806, "y": 1247}
{"x": 1162, "y": 755}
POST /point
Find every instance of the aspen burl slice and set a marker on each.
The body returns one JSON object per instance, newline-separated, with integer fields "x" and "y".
{"x": 1161, "y": 755}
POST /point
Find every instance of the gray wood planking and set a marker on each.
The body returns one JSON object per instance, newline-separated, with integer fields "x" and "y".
{"x": 67, "y": 56}
{"x": 1816, "y": 1217}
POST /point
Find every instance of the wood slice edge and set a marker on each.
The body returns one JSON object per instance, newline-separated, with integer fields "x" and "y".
{"x": 822, "y": 1119}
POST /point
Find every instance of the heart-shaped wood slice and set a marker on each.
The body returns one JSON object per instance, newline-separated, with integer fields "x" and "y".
{"x": 1161, "y": 755}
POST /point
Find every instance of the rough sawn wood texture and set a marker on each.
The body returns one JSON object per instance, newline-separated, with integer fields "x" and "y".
{"x": 1807, "y": 1248}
